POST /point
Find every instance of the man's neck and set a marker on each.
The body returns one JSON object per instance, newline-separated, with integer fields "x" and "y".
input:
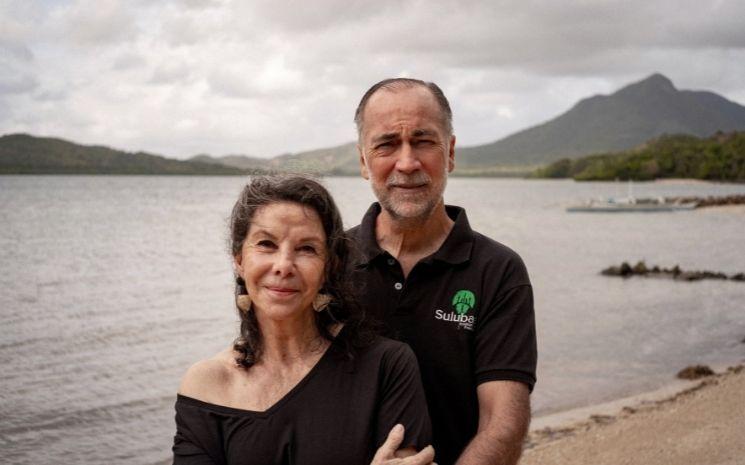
{"x": 412, "y": 240}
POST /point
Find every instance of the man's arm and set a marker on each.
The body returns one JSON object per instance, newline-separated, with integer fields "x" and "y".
{"x": 504, "y": 416}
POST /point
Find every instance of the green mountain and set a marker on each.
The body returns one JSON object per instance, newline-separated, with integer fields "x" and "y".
{"x": 241, "y": 162}
{"x": 25, "y": 154}
{"x": 341, "y": 160}
{"x": 717, "y": 158}
{"x": 338, "y": 160}
{"x": 605, "y": 123}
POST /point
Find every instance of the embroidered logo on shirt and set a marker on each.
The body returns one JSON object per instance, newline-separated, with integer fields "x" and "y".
{"x": 463, "y": 301}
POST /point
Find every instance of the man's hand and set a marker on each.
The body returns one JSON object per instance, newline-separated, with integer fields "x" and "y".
{"x": 389, "y": 454}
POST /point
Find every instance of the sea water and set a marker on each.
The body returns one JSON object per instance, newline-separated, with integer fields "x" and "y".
{"x": 112, "y": 286}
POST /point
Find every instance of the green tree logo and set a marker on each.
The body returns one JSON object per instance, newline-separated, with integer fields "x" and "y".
{"x": 463, "y": 301}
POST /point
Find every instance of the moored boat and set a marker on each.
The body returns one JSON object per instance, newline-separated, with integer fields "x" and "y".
{"x": 632, "y": 204}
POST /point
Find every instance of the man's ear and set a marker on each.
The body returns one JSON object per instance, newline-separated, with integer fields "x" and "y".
{"x": 451, "y": 154}
{"x": 363, "y": 166}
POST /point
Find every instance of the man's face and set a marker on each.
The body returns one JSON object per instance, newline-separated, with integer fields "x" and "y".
{"x": 405, "y": 151}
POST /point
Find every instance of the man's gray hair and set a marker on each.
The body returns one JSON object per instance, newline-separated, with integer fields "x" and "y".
{"x": 396, "y": 83}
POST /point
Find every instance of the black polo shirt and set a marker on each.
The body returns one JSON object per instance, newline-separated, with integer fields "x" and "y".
{"x": 466, "y": 311}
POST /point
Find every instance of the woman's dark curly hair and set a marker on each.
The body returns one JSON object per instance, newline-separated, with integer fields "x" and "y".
{"x": 265, "y": 190}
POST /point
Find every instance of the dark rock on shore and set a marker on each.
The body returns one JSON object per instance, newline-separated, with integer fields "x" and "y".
{"x": 699, "y": 275}
{"x": 710, "y": 201}
{"x": 695, "y": 372}
{"x": 624, "y": 270}
{"x": 641, "y": 269}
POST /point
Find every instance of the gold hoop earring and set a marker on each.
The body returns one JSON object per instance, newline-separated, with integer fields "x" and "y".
{"x": 321, "y": 301}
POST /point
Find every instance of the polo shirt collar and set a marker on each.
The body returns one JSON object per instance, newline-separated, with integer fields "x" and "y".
{"x": 456, "y": 248}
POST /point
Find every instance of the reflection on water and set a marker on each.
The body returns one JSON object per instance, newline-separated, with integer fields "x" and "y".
{"x": 112, "y": 286}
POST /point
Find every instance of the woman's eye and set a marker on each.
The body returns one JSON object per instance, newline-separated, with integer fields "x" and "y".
{"x": 265, "y": 244}
{"x": 307, "y": 249}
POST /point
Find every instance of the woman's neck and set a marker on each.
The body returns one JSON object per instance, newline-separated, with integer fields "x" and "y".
{"x": 289, "y": 341}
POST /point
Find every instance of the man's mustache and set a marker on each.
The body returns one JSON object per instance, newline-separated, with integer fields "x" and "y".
{"x": 412, "y": 180}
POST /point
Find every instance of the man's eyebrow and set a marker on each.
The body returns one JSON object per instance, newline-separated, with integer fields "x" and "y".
{"x": 422, "y": 132}
{"x": 385, "y": 137}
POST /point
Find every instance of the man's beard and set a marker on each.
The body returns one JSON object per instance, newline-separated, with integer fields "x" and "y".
{"x": 414, "y": 206}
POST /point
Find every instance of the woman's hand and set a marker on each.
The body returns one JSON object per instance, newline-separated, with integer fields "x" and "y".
{"x": 388, "y": 453}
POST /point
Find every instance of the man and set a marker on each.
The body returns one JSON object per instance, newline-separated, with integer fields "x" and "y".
{"x": 462, "y": 301}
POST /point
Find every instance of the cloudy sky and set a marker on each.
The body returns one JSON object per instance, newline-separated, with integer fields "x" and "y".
{"x": 264, "y": 77}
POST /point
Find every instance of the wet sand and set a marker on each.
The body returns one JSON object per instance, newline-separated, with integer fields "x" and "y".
{"x": 688, "y": 423}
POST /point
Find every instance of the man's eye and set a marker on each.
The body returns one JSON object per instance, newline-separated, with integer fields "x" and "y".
{"x": 424, "y": 142}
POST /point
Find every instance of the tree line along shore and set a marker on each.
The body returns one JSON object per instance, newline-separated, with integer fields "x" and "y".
{"x": 720, "y": 157}
{"x": 717, "y": 158}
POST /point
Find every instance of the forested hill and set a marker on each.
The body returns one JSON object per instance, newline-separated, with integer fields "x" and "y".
{"x": 717, "y": 158}
{"x": 25, "y": 154}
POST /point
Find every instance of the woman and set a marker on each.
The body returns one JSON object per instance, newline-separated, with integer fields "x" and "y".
{"x": 304, "y": 382}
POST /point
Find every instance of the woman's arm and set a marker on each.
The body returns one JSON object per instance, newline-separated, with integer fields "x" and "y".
{"x": 390, "y": 454}
{"x": 195, "y": 440}
{"x": 186, "y": 452}
{"x": 402, "y": 402}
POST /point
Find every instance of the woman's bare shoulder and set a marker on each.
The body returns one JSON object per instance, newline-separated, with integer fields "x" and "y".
{"x": 209, "y": 380}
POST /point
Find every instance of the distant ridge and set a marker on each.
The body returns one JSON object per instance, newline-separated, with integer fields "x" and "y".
{"x": 623, "y": 120}
{"x": 241, "y": 162}
{"x": 603, "y": 123}
{"x": 26, "y": 154}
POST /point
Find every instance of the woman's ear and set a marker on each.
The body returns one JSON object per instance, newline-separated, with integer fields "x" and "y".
{"x": 238, "y": 264}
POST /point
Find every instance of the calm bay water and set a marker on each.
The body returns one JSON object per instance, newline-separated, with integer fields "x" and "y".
{"x": 113, "y": 286}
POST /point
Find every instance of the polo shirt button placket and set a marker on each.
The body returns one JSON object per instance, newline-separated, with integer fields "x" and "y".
{"x": 398, "y": 286}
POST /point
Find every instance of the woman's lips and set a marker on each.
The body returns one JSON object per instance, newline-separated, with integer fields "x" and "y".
{"x": 281, "y": 291}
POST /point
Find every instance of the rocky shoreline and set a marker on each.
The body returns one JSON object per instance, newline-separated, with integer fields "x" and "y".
{"x": 641, "y": 269}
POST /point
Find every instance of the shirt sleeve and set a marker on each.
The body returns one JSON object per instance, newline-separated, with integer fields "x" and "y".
{"x": 505, "y": 342}
{"x": 402, "y": 399}
{"x": 192, "y": 440}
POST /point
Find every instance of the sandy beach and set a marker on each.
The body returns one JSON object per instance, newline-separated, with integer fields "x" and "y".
{"x": 701, "y": 422}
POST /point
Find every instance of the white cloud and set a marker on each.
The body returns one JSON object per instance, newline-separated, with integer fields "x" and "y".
{"x": 181, "y": 77}
{"x": 128, "y": 60}
{"x": 169, "y": 72}
{"x": 17, "y": 84}
{"x": 96, "y": 23}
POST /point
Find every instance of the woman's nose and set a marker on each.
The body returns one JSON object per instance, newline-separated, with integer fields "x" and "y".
{"x": 284, "y": 263}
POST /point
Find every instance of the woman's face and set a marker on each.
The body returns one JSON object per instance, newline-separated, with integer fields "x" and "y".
{"x": 282, "y": 260}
